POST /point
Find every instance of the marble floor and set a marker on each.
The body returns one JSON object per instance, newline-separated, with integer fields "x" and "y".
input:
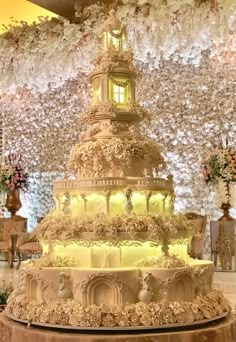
{"x": 8, "y": 275}
{"x": 225, "y": 281}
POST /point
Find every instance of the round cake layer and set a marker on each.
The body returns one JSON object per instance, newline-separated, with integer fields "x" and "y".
{"x": 117, "y": 297}
{"x": 118, "y": 286}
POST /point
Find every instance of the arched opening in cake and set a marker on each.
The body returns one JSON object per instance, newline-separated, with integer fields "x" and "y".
{"x": 182, "y": 288}
{"x": 102, "y": 291}
{"x": 33, "y": 289}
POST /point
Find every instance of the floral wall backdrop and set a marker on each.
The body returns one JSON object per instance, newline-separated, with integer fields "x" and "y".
{"x": 1, "y": 136}
{"x": 187, "y": 81}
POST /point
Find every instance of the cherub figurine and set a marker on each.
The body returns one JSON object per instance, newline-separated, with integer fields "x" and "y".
{"x": 146, "y": 293}
{"x": 128, "y": 206}
{"x": 64, "y": 290}
{"x": 66, "y": 204}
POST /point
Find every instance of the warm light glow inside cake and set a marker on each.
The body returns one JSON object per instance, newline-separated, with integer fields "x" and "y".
{"x": 128, "y": 254}
{"x": 114, "y": 254}
{"x": 161, "y": 203}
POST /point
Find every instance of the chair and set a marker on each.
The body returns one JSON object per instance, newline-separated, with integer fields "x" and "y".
{"x": 9, "y": 230}
{"x": 197, "y": 242}
{"x": 27, "y": 245}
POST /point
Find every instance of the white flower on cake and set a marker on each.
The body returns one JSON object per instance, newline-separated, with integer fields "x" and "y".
{"x": 114, "y": 157}
{"x": 55, "y": 261}
{"x": 72, "y": 313}
{"x": 162, "y": 262}
{"x": 57, "y": 226}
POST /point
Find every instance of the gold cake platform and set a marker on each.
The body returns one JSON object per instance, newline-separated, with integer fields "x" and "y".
{"x": 218, "y": 331}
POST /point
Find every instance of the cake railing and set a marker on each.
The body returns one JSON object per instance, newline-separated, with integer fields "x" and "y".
{"x": 112, "y": 182}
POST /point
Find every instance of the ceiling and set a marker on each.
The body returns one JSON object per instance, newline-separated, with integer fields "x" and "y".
{"x": 65, "y": 8}
{"x": 20, "y": 10}
{"x": 30, "y": 10}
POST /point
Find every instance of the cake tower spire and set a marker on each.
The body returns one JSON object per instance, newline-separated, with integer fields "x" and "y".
{"x": 113, "y": 112}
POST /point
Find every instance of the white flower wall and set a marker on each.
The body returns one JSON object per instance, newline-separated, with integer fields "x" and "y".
{"x": 44, "y": 126}
{"x": 44, "y": 87}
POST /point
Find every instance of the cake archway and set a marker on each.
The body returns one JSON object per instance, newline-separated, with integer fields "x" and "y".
{"x": 33, "y": 288}
{"x": 104, "y": 288}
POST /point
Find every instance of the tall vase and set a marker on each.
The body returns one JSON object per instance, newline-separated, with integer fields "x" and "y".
{"x": 13, "y": 203}
{"x": 226, "y": 206}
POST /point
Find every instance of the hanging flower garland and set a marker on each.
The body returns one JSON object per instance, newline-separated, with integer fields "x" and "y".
{"x": 53, "y": 51}
{"x": 116, "y": 35}
{"x": 119, "y": 83}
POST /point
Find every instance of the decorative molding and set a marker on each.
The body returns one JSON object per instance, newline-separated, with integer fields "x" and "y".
{"x": 203, "y": 278}
{"x": 180, "y": 286}
{"x": 117, "y": 288}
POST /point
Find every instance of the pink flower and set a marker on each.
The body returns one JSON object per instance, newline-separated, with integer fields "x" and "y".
{"x": 232, "y": 151}
{"x": 229, "y": 158}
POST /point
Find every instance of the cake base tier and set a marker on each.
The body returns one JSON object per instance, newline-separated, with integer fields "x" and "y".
{"x": 117, "y": 286}
{"x": 221, "y": 330}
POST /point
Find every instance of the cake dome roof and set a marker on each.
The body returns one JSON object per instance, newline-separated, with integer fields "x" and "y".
{"x": 112, "y": 23}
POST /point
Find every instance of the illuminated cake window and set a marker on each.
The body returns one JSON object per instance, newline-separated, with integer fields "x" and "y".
{"x": 119, "y": 94}
{"x": 96, "y": 91}
{"x": 119, "y": 91}
{"x": 114, "y": 39}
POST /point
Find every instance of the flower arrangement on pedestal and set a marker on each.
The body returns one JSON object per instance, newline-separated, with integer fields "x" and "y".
{"x": 13, "y": 178}
{"x": 219, "y": 170}
{"x": 12, "y": 174}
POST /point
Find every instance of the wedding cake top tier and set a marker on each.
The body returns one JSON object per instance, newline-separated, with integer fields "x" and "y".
{"x": 112, "y": 145}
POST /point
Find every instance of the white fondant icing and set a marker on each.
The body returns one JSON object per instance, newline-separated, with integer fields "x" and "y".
{"x": 123, "y": 285}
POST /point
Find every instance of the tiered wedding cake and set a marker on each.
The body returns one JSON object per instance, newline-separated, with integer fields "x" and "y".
{"x": 108, "y": 259}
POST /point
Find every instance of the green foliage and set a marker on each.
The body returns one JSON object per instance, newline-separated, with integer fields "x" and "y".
{"x": 220, "y": 163}
{"x": 5, "y": 291}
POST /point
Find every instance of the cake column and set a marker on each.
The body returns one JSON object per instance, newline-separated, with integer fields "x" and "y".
{"x": 148, "y": 195}
{"x": 108, "y": 195}
{"x": 83, "y": 196}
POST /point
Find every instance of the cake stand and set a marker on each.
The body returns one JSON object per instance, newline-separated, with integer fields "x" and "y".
{"x": 223, "y": 329}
